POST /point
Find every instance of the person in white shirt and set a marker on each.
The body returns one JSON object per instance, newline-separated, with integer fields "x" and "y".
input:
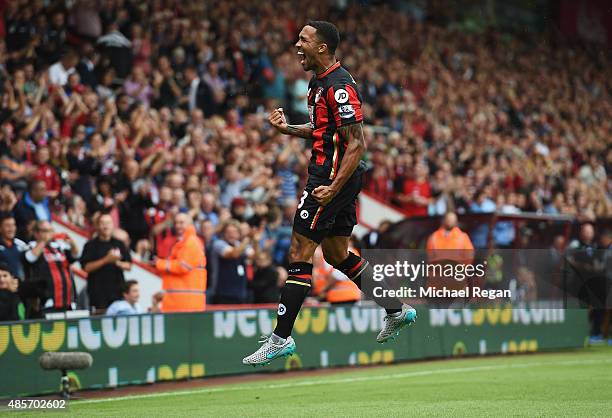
{"x": 59, "y": 72}
{"x": 129, "y": 304}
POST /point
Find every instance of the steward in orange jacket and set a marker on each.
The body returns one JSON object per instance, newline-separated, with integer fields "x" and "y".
{"x": 184, "y": 271}
{"x": 449, "y": 246}
{"x": 450, "y": 243}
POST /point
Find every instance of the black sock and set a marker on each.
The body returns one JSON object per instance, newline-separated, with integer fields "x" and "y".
{"x": 293, "y": 294}
{"x": 353, "y": 267}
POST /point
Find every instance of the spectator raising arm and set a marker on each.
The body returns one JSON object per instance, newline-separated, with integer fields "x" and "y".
{"x": 236, "y": 250}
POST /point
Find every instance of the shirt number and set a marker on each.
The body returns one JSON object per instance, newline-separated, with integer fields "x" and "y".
{"x": 304, "y": 195}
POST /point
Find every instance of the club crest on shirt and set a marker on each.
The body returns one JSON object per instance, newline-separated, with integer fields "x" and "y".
{"x": 346, "y": 111}
{"x": 54, "y": 256}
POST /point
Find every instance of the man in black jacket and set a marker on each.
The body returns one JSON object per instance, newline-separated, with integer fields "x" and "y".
{"x": 11, "y": 248}
{"x": 198, "y": 94}
{"x": 87, "y": 66}
{"x": 587, "y": 276}
{"x": 105, "y": 259}
{"x": 265, "y": 283}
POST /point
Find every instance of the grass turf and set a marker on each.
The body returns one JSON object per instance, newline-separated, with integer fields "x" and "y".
{"x": 577, "y": 383}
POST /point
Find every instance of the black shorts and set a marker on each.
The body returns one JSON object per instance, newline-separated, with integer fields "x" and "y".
{"x": 337, "y": 218}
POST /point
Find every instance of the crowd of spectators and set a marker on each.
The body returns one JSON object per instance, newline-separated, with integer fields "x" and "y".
{"x": 141, "y": 110}
{"x": 485, "y": 122}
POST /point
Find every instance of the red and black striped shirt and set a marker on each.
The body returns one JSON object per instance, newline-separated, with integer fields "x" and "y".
{"x": 52, "y": 268}
{"x": 333, "y": 101}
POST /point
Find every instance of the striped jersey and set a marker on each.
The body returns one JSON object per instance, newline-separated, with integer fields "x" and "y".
{"x": 333, "y": 102}
{"x": 52, "y": 268}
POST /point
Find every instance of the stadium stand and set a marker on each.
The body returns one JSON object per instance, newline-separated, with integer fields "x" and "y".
{"x": 146, "y": 109}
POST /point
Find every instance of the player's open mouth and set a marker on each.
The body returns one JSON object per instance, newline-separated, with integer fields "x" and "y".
{"x": 302, "y": 57}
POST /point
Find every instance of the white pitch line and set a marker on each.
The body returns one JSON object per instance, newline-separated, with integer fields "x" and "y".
{"x": 345, "y": 380}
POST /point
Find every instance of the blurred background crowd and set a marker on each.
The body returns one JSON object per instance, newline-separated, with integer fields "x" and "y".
{"x": 146, "y": 109}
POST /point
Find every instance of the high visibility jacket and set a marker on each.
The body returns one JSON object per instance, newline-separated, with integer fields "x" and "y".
{"x": 343, "y": 291}
{"x": 454, "y": 245}
{"x": 449, "y": 248}
{"x": 184, "y": 275}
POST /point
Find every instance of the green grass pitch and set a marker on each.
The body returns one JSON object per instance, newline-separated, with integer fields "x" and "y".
{"x": 577, "y": 383}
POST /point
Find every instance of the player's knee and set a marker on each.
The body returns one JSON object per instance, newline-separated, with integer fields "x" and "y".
{"x": 294, "y": 255}
{"x": 300, "y": 252}
{"x": 335, "y": 256}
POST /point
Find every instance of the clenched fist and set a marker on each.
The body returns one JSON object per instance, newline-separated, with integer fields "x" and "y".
{"x": 277, "y": 119}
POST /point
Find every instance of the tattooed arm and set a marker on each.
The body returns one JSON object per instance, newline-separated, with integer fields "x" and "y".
{"x": 303, "y": 131}
{"x": 350, "y": 161}
{"x": 277, "y": 119}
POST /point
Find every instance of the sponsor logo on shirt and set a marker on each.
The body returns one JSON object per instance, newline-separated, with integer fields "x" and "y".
{"x": 341, "y": 96}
